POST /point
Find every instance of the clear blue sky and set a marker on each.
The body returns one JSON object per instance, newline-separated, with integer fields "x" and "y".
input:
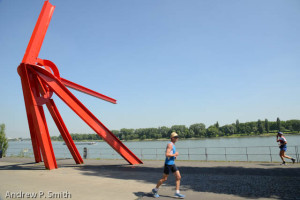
{"x": 167, "y": 62}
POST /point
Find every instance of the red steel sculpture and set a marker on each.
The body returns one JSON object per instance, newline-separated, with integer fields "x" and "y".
{"x": 40, "y": 79}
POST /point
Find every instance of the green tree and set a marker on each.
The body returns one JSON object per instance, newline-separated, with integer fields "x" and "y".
{"x": 294, "y": 125}
{"x": 126, "y": 133}
{"x": 90, "y": 136}
{"x": 181, "y": 130}
{"x": 98, "y": 137}
{"x": 267, "y": 127}
{"x": 117, "y": 133}
{"x": 190, "y": 134}
{"x": 198, "y": 129}
{"x": 3, "y": 140}
{"x": 260, "y": 128}
{"x": 252, "y": 127}
{"x": 60, "y": 138}
{"x": 237, "y": 125}
{"x": 255, "y": 129}
{"x": 228, "y": 129}
{"x": 164, "y": 131}
{"x": 54, "y": 138}
{"x": 273, "y": 126}
{"x": 248, "y": 128}
{"x": 212, "y": 131}
{"x": 217, "y": 125}
{"x": 143, "y": 137}
{"x": 241, "y": 129}
{"x": 140, "y": 133}
{"x": 278, "y": 122}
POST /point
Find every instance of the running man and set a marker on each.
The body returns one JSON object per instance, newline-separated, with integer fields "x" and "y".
{"x": 170, "y": 166}
{"x": 283, "y": 148}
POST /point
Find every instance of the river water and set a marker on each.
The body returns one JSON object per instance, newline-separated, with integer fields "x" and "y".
{"x": 220, "y": 149}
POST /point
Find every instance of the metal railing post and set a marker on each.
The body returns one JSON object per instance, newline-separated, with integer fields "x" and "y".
{"x": 206, "y": 154}
{"x": 189, "y": 154}
{"x": 247, "y": 154}
{"x": 297, "y": 153}
{"x": 225, "y": 153}
{"x": 142, "y": 154}
{"x": 156, "y": 153}
{"x": 270, "y": 154}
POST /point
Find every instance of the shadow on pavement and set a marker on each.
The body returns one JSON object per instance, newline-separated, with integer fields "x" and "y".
{"x": 279, "y": 183}
{"x": 22, "y": 166}
{"x": 26, "y": 165}
{"x": 141, "y": 195}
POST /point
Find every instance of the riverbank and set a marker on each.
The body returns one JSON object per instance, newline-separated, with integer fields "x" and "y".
{"x": 115, "y": 179}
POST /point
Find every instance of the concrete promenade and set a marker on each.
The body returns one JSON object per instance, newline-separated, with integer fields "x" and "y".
{"x": 115, "y": 179}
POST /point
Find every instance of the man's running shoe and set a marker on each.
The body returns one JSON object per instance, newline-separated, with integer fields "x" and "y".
{"x": 155, "y": 193}
{"x": 283, "y": 163}
{"x": 178, "y": 195}
{"x": 293, "y": 159}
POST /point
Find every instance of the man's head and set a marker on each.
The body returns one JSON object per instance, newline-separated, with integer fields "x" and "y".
{"x": 174, "y": 137}
{"x": 279, "y": 133}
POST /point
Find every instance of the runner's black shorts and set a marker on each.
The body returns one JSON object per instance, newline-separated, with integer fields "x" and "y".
{"x": 168, "y": 168}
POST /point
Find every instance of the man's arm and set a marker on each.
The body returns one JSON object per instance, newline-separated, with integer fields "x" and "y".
{"x": 168, "y": 151}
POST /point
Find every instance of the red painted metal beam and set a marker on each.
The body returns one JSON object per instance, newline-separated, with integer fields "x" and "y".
{"x": 38, "y": 34}
{"x": 64, "y": 131}
{"x": 28, "y": 105}
{"x": 64, "y": 94}
{"x": 32, "y": 130}
{"x": 51, "y": 67}
{"x": 37, "y": 116}
{"x": 88, "y": 91}
{"x": 59, "y": 122}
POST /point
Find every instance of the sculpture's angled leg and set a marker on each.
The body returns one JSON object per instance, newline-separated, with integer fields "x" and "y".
{"x": 46, "y": 93}
{"x": 34, "y": 84}
{"x": 64, "y": 131}
{"x": 36, "y": 116}
{"x": 33, "y": 133}
{"x": 63, "y": 93}
{"x": 46, "y": 138}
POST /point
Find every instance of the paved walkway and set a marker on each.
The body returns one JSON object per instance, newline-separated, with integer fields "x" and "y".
{"x": 115, "y": 179}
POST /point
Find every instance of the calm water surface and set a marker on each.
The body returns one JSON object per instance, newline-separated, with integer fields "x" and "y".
{"x": 235, "y": 149}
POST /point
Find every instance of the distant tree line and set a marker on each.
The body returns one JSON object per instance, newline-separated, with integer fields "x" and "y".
{"x": 198, "y": 130}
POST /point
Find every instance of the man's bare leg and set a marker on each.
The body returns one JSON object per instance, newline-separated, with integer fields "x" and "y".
{"x": 281, "y": 154}
{"x": 162, "y": 180}
{"x": 178, "y": 178}
{"x": 286, "y": 156}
